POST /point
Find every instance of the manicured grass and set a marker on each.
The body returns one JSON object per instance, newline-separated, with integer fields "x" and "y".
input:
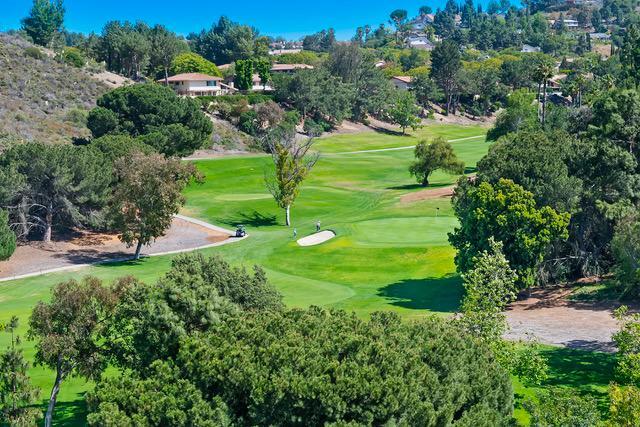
{"x": 387, "y": 255}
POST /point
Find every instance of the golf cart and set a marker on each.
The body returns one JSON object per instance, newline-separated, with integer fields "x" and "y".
{"x": 240, "y": 231}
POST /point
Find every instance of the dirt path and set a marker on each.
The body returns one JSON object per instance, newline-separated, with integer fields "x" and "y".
{"x": 83, "y": 249}
{"x": 554, "y": 319}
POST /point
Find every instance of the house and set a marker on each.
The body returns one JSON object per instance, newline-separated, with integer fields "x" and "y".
{"x": 530, "y": 49}
{"x": 197, "y": 84}
{"x": 273, "y": 52}
{"x": 289, "y": 68}
{"x": 402, "y": 82}
{"x": 257, "y": 85}
{"x": 420, "y": 42}
{"x": 421, "y": 22}
{"x": 600, "y": 36}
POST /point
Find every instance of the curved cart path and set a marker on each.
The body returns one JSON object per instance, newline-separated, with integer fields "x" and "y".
{"x": 82, "y": 250}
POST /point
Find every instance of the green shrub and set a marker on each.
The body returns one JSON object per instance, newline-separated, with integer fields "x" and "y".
{"x": 77, "y": 116}
{"x": 7, "y": 237}
{"x": 248, "y": 122}
{"x": 72, "y": 56}
{"x": 35, "y": 53}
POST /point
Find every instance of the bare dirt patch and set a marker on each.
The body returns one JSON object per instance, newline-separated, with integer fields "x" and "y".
{"x": 551, "y": 317}
{"x": 428, "y": 194}
{"x": 86, "y": 247}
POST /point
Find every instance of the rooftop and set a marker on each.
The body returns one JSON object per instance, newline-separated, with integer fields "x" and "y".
{"x": 191, "y": 77}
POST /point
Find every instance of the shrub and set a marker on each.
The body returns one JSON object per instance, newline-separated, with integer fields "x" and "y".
{"x": 77, "y": 116}
{"x": 560, "y": 407}
{"x": 72, "y": 56}
{"x": 248, "y": 122}
{"x": 7, "y": 237}
{"x": 35, "y": 53}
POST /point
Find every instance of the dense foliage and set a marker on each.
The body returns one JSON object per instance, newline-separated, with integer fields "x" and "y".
{"x": 155, "y": 114}
{"x": 329, "y": 367}
{"x": 434, "y": 155}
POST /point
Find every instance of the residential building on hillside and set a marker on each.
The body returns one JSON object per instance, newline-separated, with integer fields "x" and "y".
{"x": 289, "y": 68}
{"x": 420, "y": 42}
{"x": 402, "y": 82}
{"x": 530, "y": 49}
{"x": 197, "y": 84}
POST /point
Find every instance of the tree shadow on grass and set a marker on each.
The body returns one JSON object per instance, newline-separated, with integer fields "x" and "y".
{"x": 254, "y": 219}
{"x": 417, "y": 186}
{"x": 435, "y": 294}
{"x": 470, "y": 169}
{"x": 581, "y": 370}
{"x": 71, "y": 413}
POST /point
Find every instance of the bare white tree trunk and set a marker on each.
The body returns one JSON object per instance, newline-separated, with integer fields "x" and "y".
{"x": 288, "y": 215}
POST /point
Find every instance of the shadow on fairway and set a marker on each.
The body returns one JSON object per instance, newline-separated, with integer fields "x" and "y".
{"x": 435, "y": 294}
{"x": 73, "y": 413}
{"x": 416, "y": 186}
{"x": 254, "y": 219}
{"x": 470, "y": 169}
{"x": 581, "y": 370}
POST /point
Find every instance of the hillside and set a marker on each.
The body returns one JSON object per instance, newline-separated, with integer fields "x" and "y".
{"x": 40, "y": 98}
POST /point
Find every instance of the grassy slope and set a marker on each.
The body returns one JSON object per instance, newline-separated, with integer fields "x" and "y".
{"x": 386, "y": 256}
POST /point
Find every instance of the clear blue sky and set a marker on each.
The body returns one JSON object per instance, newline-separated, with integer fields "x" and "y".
{"x": 291, "y": 19}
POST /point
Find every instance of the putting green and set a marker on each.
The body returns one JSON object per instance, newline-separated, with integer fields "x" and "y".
{"x": 423, "y": 231}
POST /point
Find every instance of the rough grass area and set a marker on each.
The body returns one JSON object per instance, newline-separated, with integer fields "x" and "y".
{"x": 40, "y": 98}
{"x": 386, "y": 255}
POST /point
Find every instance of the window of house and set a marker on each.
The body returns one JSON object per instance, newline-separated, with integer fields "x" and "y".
{"x": 211, "y": 82}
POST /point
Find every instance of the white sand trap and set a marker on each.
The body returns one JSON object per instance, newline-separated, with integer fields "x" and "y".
{"x": 317, "y": 238}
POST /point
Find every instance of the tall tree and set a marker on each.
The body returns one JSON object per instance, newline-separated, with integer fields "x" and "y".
{"x": 398, "y": 18}
{"x": 263, "y": 69}
{"x": 189, "y": 62}
{"x": 17, "y": 395}
{"x": 508, "y": 213}
{"x": 172, "y": 125}
{"x": 543, "y": 72}
{"x": 445, "y": 67}
{"x": 630, "y": 54}
{"x": 403, "y": 110}
{"x": 226, "y": 42}
{"x": 433, "y": 156}
{"x": 244, "y": 74}
{"x": 66, "y": 330}
{"x": 165, "y": 46}
{"x": 147, "y": 196}
{"x": 44, "y": 21}
{"x": 7, "y": 237}
{"x": 291, "y": 164}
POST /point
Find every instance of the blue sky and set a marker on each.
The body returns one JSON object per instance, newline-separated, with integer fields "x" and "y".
{"x": 291, "y": 19}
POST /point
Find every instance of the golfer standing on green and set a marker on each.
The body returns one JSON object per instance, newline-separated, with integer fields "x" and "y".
{"x": 318, "y": 226}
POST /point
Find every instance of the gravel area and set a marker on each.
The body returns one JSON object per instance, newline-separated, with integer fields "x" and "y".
{"x": 89, "y": 248}
{"x": 552, "y": 318}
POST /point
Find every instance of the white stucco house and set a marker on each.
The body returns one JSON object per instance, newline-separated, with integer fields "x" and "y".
{"x": 197, "y": 84}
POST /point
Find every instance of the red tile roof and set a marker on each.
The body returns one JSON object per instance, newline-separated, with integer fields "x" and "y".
{"x": 405, "y": 79}
{"x": 191, "y": 77}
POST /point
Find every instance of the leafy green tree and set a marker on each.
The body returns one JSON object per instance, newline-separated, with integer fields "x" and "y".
{"x": 398, "y": 18}
{"x": 7, "y": 237}
{"x": 561, "y": 407}
{"x": 322, "y": 41}
{"x": 508, "y": 213}
{"x": 520, "y": 113}
{"x": 445, "y": 68}
{"x": 626, "y": 250}
{"x": 161, "y": 399}
{"x": 542, "y": 73}
{"x": 425, "y": 89}
{"x": 195, "y": 294}
{"x": 616, "y": 117}
{"x": 489, "y": 287}
{"x": 165, "y": 47}
{"x": 147, "y": 196}
{"x": 263, "y": 69}
{"x": 44, "y": 21}
{"x": 539, "y": 163}
{"x": 292, "y": 165}
{"x": 170, "y": 124}
{"x": 66, "y": 330}
{"x": 54, "y": 185}
{"x": 371, "y": 89}
{"x": 630, "y": 54}
{"x": 627, "y": 340}
{"x": 244, "y": 74}
{"x": 433, "y": 156}
{"x": 315, "y": 94}
{"x": 625, "y": 405}
{"x": 325, "y": 367}
{"x": 189, "y": 62}
{"x": 227, "y": 41}
{"x": 17, "y": 394}
{"x": 404, "y": 111}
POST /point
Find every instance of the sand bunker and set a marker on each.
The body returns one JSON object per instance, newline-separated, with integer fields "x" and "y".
{"x": 317, "y": 238}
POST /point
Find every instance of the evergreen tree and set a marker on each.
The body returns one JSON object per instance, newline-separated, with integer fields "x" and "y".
{"x": 45, "y": 19}
{"x": 7, "y": 237}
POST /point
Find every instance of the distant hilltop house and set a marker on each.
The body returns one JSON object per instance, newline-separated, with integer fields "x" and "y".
{"x": 530, "y": 49}
{"x": 289, "y": 68}
{"x": 402, "y": 82}
{"x": 273, "y": 52}
{"x": 421, "y": 22}
{"x": 197, "y": 84}
{"x": 600, "y": 36}
{"x": 571, "y": 24}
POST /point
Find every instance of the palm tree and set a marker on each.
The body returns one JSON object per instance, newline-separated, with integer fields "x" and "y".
{"x": 544, "y": 71}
